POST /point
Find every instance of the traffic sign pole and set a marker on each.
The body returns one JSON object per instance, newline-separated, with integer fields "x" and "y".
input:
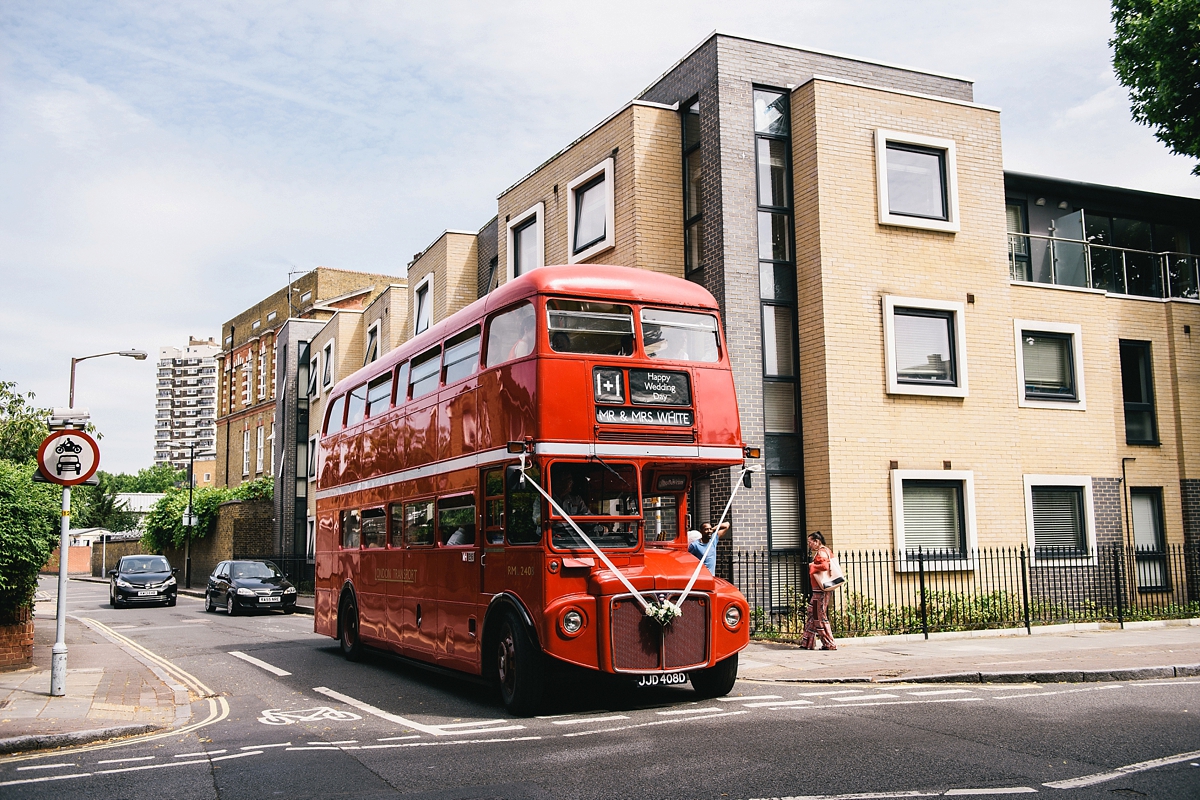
{"x": 58, "y": 662}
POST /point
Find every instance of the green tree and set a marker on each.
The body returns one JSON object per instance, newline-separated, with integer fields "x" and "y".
{"x": 98, "y": 507}
{"x": 156, "y": 479}
{"x": 28, "y": 515}
{"x": 22, "y": 425}
{"x": 164, "y": 524}
{"x": 1156, "y": 54}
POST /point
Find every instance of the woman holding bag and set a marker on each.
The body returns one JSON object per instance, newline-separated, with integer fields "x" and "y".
{"x": 817, "y": 623}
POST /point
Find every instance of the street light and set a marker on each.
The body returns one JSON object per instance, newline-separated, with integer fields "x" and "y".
{"x": 58, "y": 659}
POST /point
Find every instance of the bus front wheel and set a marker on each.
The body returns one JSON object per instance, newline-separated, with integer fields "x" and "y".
{"x": 352, "y": 647}
{"x": 519, "y": 668}
{"x": 716, "y": 681}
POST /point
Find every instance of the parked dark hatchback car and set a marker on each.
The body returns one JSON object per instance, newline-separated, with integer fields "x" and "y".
{"x": 238, "y": 586}
{"x": 142, "y": 580}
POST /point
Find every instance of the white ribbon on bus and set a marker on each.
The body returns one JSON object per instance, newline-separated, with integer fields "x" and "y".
{"x": 676, "y": 607}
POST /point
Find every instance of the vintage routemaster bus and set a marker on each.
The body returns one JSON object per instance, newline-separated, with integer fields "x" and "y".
{"x": 612, "y": 386}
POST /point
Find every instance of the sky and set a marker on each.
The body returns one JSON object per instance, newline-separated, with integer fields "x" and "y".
{"x": 166, "y": 164}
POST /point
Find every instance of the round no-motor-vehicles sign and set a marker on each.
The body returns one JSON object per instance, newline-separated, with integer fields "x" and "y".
{"x": 68, "y": 457}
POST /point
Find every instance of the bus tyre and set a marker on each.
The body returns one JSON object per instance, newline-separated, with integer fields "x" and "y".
{"x": 716, "y": 681}
{"x": 519, "y": 668}
{"x": 352, "y": 647}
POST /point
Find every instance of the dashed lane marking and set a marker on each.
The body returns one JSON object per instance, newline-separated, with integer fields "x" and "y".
{"x": 1104, "y": 688}
{"x": 271, "y": 668}
{"x": 46, "y": 766}
{"x": 940, "y": 691}
{"x": 778, "y": 703}
{"x": 399, "y": 738}
{"x": 991, "y": 791}
{"x": 655, "y": 722}
{"x": 585, "y": 720}
{"x": 202, "y": 755}
{"x": 476, "y": 724}
{"x": 126, "y": 760}
{"x": 265, "y": 746}
{"x": 1141, "y": 766}
{"x": 862, "y": 697}
{"x": 838, "y": 691}
{"x": 908, "y": 702}
{"x": 46, "y": 779}
{"x": 178, "y": 763}
{"x": 687, "y": 711}
{"x": 749, "y": 697}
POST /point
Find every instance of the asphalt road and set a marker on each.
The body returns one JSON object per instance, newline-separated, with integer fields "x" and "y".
{"x": 383, "y": 729}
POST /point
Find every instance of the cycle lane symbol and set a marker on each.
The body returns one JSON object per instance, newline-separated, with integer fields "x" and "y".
{"x": 277, "y": 716}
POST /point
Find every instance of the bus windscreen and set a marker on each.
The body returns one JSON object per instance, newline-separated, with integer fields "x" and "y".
{"x": 590, "y": 491}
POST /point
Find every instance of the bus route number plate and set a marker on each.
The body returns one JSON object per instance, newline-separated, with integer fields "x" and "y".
{"x": 663, "y": 679}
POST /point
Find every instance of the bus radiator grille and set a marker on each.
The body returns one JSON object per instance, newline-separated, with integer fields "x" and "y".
{"x": 685, "y": 640}
{"x": 646, "y": 436}
{"x": 640, "y": 644}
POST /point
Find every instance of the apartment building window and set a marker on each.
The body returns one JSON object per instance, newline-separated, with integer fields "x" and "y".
{"x": 271, "y": 451}
{"x": 312, "y": 458}
{"x": 1137, "y": 388}
{"x": 526, "y": 248}
{"x": 262, "y": 374}
{"x": 917, "y": 183}
{"x": 313, "y": 372}
{"x": 777, "y": 299}
{"x": 255, "y": 325}
{"x": 1017, "y": 220}
{"x": 372, "y": 348}
{"x": 1049, "y": 365}
{"x": 245, "y": 452}
{"x": 422, "y": 302}
{"x": 591, "y": 212}
{"x": 1058, "y": 516}
{"x": 1145, "y": 505}
{"x": 924, "y": 342}
{"x": 693, "y": 188}
{"x": 933, "y": 514}
{"x": 304, "y": 298}
{"x": 258, "y": 451}
{"x": 328, "y": 375}
{"x": 271, "y": 316}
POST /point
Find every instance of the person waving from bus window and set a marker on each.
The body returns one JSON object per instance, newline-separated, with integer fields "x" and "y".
{"x": 698, "y": 546}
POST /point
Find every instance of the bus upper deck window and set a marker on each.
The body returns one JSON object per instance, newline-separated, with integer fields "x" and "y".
{"x": 586, "y": 327}
{"x": 357, "y": 407}
{"x": 512, "y": 334}
{"x": 462, "y": 355}
{"x": 680, "y": 335}
{"x": 335, "y": 415}
{"x": 379, "y": 395}
{"x": 426, "y": 369}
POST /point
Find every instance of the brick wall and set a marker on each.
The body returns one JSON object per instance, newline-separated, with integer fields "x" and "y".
{"x": 105, "y": 557}
{"x": 16, "y": 643}
{"x": 79, "y": 561}
{"x": 243, "y": 528}
{"x": 1106, "y": 500}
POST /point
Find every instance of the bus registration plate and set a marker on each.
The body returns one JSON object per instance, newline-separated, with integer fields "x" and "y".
{"x": 663, "y": 679}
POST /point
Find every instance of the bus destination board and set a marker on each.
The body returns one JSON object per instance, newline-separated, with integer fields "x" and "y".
{"x": 644, "y": 416}
{"x": 657, "y": 388}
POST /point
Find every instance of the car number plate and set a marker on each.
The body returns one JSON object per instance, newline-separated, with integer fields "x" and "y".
{"x": 663, "y": 679}
{"x": 148, "y": 594}
{"x": 270, "y": 599}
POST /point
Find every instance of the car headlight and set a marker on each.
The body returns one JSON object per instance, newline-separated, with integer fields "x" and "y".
{"x": 572, "y": 622}
{"x": 169, "y": 582}
{"x": 124, "y": 584}
{"x": 244, "y": 592}
{"x": 290, "y": 590}
{"x": 733, "y": 617}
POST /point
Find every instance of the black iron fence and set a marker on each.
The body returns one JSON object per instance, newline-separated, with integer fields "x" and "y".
{"x": 297, "y": 568}
{"x": 918, "y": 592}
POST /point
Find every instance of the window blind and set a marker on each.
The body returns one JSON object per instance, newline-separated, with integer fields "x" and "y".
{"x": 779, "y": 407}
{"x": 1058, "y": 518}
{"x": 785, "y": 512}
{"x": 1145, "y": 521}
{"x": 1047, "y": 361}
{"x": 778, "y": 341}
{"x": 933, "y": 517}
{"x": 923, "y": 346}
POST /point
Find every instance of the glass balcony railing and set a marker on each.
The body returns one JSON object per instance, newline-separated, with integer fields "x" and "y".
{"x": 1119, "y": 270}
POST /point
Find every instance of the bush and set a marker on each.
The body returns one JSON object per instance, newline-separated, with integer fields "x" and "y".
{"x": 28, "y": 534}
{"x": 164, "y": 524}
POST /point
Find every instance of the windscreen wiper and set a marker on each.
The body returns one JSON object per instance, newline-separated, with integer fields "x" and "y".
{"x": 620, "y": 477}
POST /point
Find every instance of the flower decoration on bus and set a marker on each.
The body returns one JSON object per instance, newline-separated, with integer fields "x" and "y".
{"x": 663, "y": 611}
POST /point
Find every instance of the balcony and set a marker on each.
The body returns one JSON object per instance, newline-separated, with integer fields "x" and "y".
{"x": 1117, "y": 270}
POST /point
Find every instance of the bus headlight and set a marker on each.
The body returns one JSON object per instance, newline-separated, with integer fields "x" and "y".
{"x": 733, "y": 617}
{"x": 572, "y": 622}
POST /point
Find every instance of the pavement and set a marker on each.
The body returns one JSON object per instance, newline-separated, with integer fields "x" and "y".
{"x": 122, "y": 691}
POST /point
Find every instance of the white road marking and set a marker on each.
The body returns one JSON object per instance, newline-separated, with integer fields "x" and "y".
{"x": 1141, "y": 766}
{"x": 1063, "y": 691}
{"x": 688, "y": 711}
{"x": 378, "y": 712}
{"x": 1000, "y": 790}
{"x": 265, "y": 746}
{"x": 822, "y": 694}
{"x": 293, "y": 749}
{"x": 656, "y": 722}
{"x": 322, "y": 744}
{"x": 126, "y": 760}
{"x": 46, "y": 766}
{"x": 861, "y": 697}
{"x": 274, "y": 670}
{"x": 778, "y": 703}
{"x": 748, "y": 697}
{"x": 496, "y": 729}
{"x": 46, "y": 778}
{"x": 445, "y": 742}
{"x": 476, "y": 724}
{"x": 178, "y": 763}
{"x": 940, "y": 691}
{"x": 583, "y": 720}
{"x": 201, "y": 755}
{"x": 910, "y": 702}
{"x": 398, "y": 738}
{"x": 862, "y": 796}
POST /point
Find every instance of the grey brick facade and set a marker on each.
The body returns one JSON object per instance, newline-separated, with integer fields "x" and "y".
{"x": 1108, "y": 508}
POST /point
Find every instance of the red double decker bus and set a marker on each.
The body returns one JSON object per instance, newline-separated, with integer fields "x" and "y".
{"x": 607, "y": 389}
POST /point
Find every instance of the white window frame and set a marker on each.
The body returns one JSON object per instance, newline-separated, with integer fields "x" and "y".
{"x": 327, "y": 366}
{"x": 245, "y": 452}
{"x": 1020, "y": 326}
{"x": 610, "y": 212}
{"x": 373, "y": 331}
{"x": 259, "y": 439}
{"x": 1089, "y": 517}
{"x": 425, "y": 284}
{"x": 538, "y": 212}
{"x": 314, "y": 376}
{"x": 312, "y": 457}
{"x": 967, "y": 477}
{"x": 886, "y": 217}
{"x": 894, "y": 386}
{"x": 311, "y": 535}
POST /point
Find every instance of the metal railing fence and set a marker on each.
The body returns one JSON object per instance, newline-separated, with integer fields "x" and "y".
{"x": 1120, "y": 270}
{"x": 918, "y": 592}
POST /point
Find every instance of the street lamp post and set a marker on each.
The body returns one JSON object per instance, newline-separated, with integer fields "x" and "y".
{"x": 58, "y": 660}
{"x": 190, "y": 519}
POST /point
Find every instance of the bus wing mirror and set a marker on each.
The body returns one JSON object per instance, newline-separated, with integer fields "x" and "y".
{"x": 746, "y": 479}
